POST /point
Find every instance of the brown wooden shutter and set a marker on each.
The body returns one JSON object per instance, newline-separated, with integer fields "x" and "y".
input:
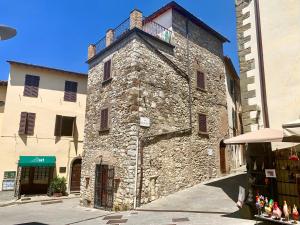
{"x": 107, "y": 70}
{"x": 58, "y": 123}
{"x": 30, "y": 123}
{"x": 104, "y": 119}
{"x": 23, "y": 121}
{"x": 31, "y": 87}
{"x": 70, "y": 91}
{"x": 200, "y": 80}
{"x": 202, "y": 123}
{"x": 35, "y": 86}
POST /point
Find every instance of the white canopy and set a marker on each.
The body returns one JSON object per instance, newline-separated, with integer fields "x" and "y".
{"x": 291, "y": 131}
{"x": 259, "y": 136}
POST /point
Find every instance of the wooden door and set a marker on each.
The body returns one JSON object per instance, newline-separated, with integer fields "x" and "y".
{"x": 104, "y": 187}
{"x": 222, "y": 160}
{"x": 76, "y": 175}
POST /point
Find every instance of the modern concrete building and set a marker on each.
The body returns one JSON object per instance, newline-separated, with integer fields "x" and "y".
{"x": 234, "y": 109}
{"x": 156, "y": 109}
{"x": 41, "y": 127}
{"x": 269, "y": 54}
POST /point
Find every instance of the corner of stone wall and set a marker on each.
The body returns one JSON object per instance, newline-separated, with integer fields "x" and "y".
{"x": 245, "y": 64}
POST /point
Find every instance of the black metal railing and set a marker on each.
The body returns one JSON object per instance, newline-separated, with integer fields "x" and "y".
{"x": 122, "y": 29}
{"x": 149, "y": 27}
{"x": 157, "y": 30}
{"x": 100, "y": 45}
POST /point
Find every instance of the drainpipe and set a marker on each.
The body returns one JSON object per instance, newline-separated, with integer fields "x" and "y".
{"x": 188, "y": 69}
{"x": 261, "y": 65}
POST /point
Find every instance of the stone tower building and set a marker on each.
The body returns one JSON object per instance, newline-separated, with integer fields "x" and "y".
{"x": 156, "y": 109}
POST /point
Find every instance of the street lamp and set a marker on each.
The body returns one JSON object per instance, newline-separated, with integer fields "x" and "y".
{"x": 7, "y": 32}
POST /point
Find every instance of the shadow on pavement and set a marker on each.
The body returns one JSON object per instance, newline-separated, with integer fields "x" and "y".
{"x": 32, "y": 223}
{"x": 175, "y": 210}
{"x": 230, "y": 185}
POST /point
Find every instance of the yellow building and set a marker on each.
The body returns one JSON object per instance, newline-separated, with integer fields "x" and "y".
{"x": 42, "y": 128}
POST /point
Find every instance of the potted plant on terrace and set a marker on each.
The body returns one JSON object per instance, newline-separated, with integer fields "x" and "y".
{"x": 58, "y": 187}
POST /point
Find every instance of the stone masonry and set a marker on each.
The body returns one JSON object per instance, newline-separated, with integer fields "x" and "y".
{"x": 151, "y": 79}
{"x": 251, "y": 115}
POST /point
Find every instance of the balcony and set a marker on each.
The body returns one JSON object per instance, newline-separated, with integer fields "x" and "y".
{"x": 134, "y": 21}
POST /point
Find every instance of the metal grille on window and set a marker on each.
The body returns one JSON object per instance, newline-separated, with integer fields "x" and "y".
{"x": 202, "y": 123}
{"x": 104, "y": 119}
{"x": 200, "y": 80}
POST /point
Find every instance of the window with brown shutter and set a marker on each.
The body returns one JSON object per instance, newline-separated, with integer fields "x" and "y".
{"x": 107, "y": 70}
{"x": 23, "y": 120}
{"x": 30, "y": 123}
{"x": 31, "y": 87}
{"x": 104, "y": 120}
{"x": 202, "y": 123}
{"x": 27, "y": 123}
{"x": 64, "y": 126}
{"x": 70, "y": 91}
{"x": 200, "y": 80}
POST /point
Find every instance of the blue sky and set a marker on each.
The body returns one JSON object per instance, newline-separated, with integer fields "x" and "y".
{"x": 56, "y": 33}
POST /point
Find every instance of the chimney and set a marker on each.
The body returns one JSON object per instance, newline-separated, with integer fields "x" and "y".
{"x": 109, "y": 37}
{"x": 91, "y": 51}
{"x": 136, "y": 19}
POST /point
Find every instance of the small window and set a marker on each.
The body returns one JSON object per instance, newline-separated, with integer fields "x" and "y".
{"x": 107, "y": 70}
{"x": 202, "y": 123}
{"x": 104, "y": 125}
{"x": 31, "y": 87}
{"x": 200, "y": 80}
{"x": 27, "y": 123}
{"x": 70, "y": 91}
{"x": 64, "y": 126}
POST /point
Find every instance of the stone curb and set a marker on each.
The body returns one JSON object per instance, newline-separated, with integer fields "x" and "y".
{"x": 17, "y": 202}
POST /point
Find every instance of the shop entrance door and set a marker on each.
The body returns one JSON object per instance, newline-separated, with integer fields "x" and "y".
{"x": 35, "y": 180}
{"x": 75, "y": 176}
{"x": 104, "y": 186}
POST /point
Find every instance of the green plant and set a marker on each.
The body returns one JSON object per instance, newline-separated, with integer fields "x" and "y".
{"x": 58, "y": 185}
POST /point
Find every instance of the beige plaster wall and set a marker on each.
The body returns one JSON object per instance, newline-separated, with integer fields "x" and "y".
{"x": 47, "y": 105}
{"x": 2, "y": 98}
{"x": 280, "y": 24}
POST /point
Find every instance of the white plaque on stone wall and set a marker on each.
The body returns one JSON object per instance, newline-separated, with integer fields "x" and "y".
{"x": 144, "y": 122}
{"x": 209, "y": 151}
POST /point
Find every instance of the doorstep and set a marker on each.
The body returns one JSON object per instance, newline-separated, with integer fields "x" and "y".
{"x": 33, "y": 199}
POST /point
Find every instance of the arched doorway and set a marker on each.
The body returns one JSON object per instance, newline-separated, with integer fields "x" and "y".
{"x": 222, "y": 157}
{"x": 75, "y": 175}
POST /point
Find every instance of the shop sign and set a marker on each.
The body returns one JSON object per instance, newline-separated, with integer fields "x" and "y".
{"x": 8, "y": 185}
{"x": 9, "y": 174}
{"x": 144, "y": 122}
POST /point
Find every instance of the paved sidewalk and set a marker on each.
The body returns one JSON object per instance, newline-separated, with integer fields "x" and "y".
{"x": 212, "y": 203}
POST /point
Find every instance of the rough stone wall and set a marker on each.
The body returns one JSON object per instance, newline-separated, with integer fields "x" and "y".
{"x": 144, "y": 83}
{"x": 174, "y": 162}
{"x": 118, "y": 146}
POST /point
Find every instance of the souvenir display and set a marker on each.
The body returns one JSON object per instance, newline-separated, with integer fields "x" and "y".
{"x": 295, "y": 214}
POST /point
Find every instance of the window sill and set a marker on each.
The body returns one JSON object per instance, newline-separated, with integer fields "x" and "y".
{"x": 105, "y": 82}
{"x": 30, "y": 96}
{"x": 201, "y": 89}
{"x": 104, "y": 131}
{"x": 203, "y": 134}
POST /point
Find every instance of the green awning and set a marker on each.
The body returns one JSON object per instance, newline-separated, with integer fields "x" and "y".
{"x": 37, "y": 161}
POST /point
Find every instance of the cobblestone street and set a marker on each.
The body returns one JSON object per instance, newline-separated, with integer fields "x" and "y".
{"x": 210, "y": 203}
